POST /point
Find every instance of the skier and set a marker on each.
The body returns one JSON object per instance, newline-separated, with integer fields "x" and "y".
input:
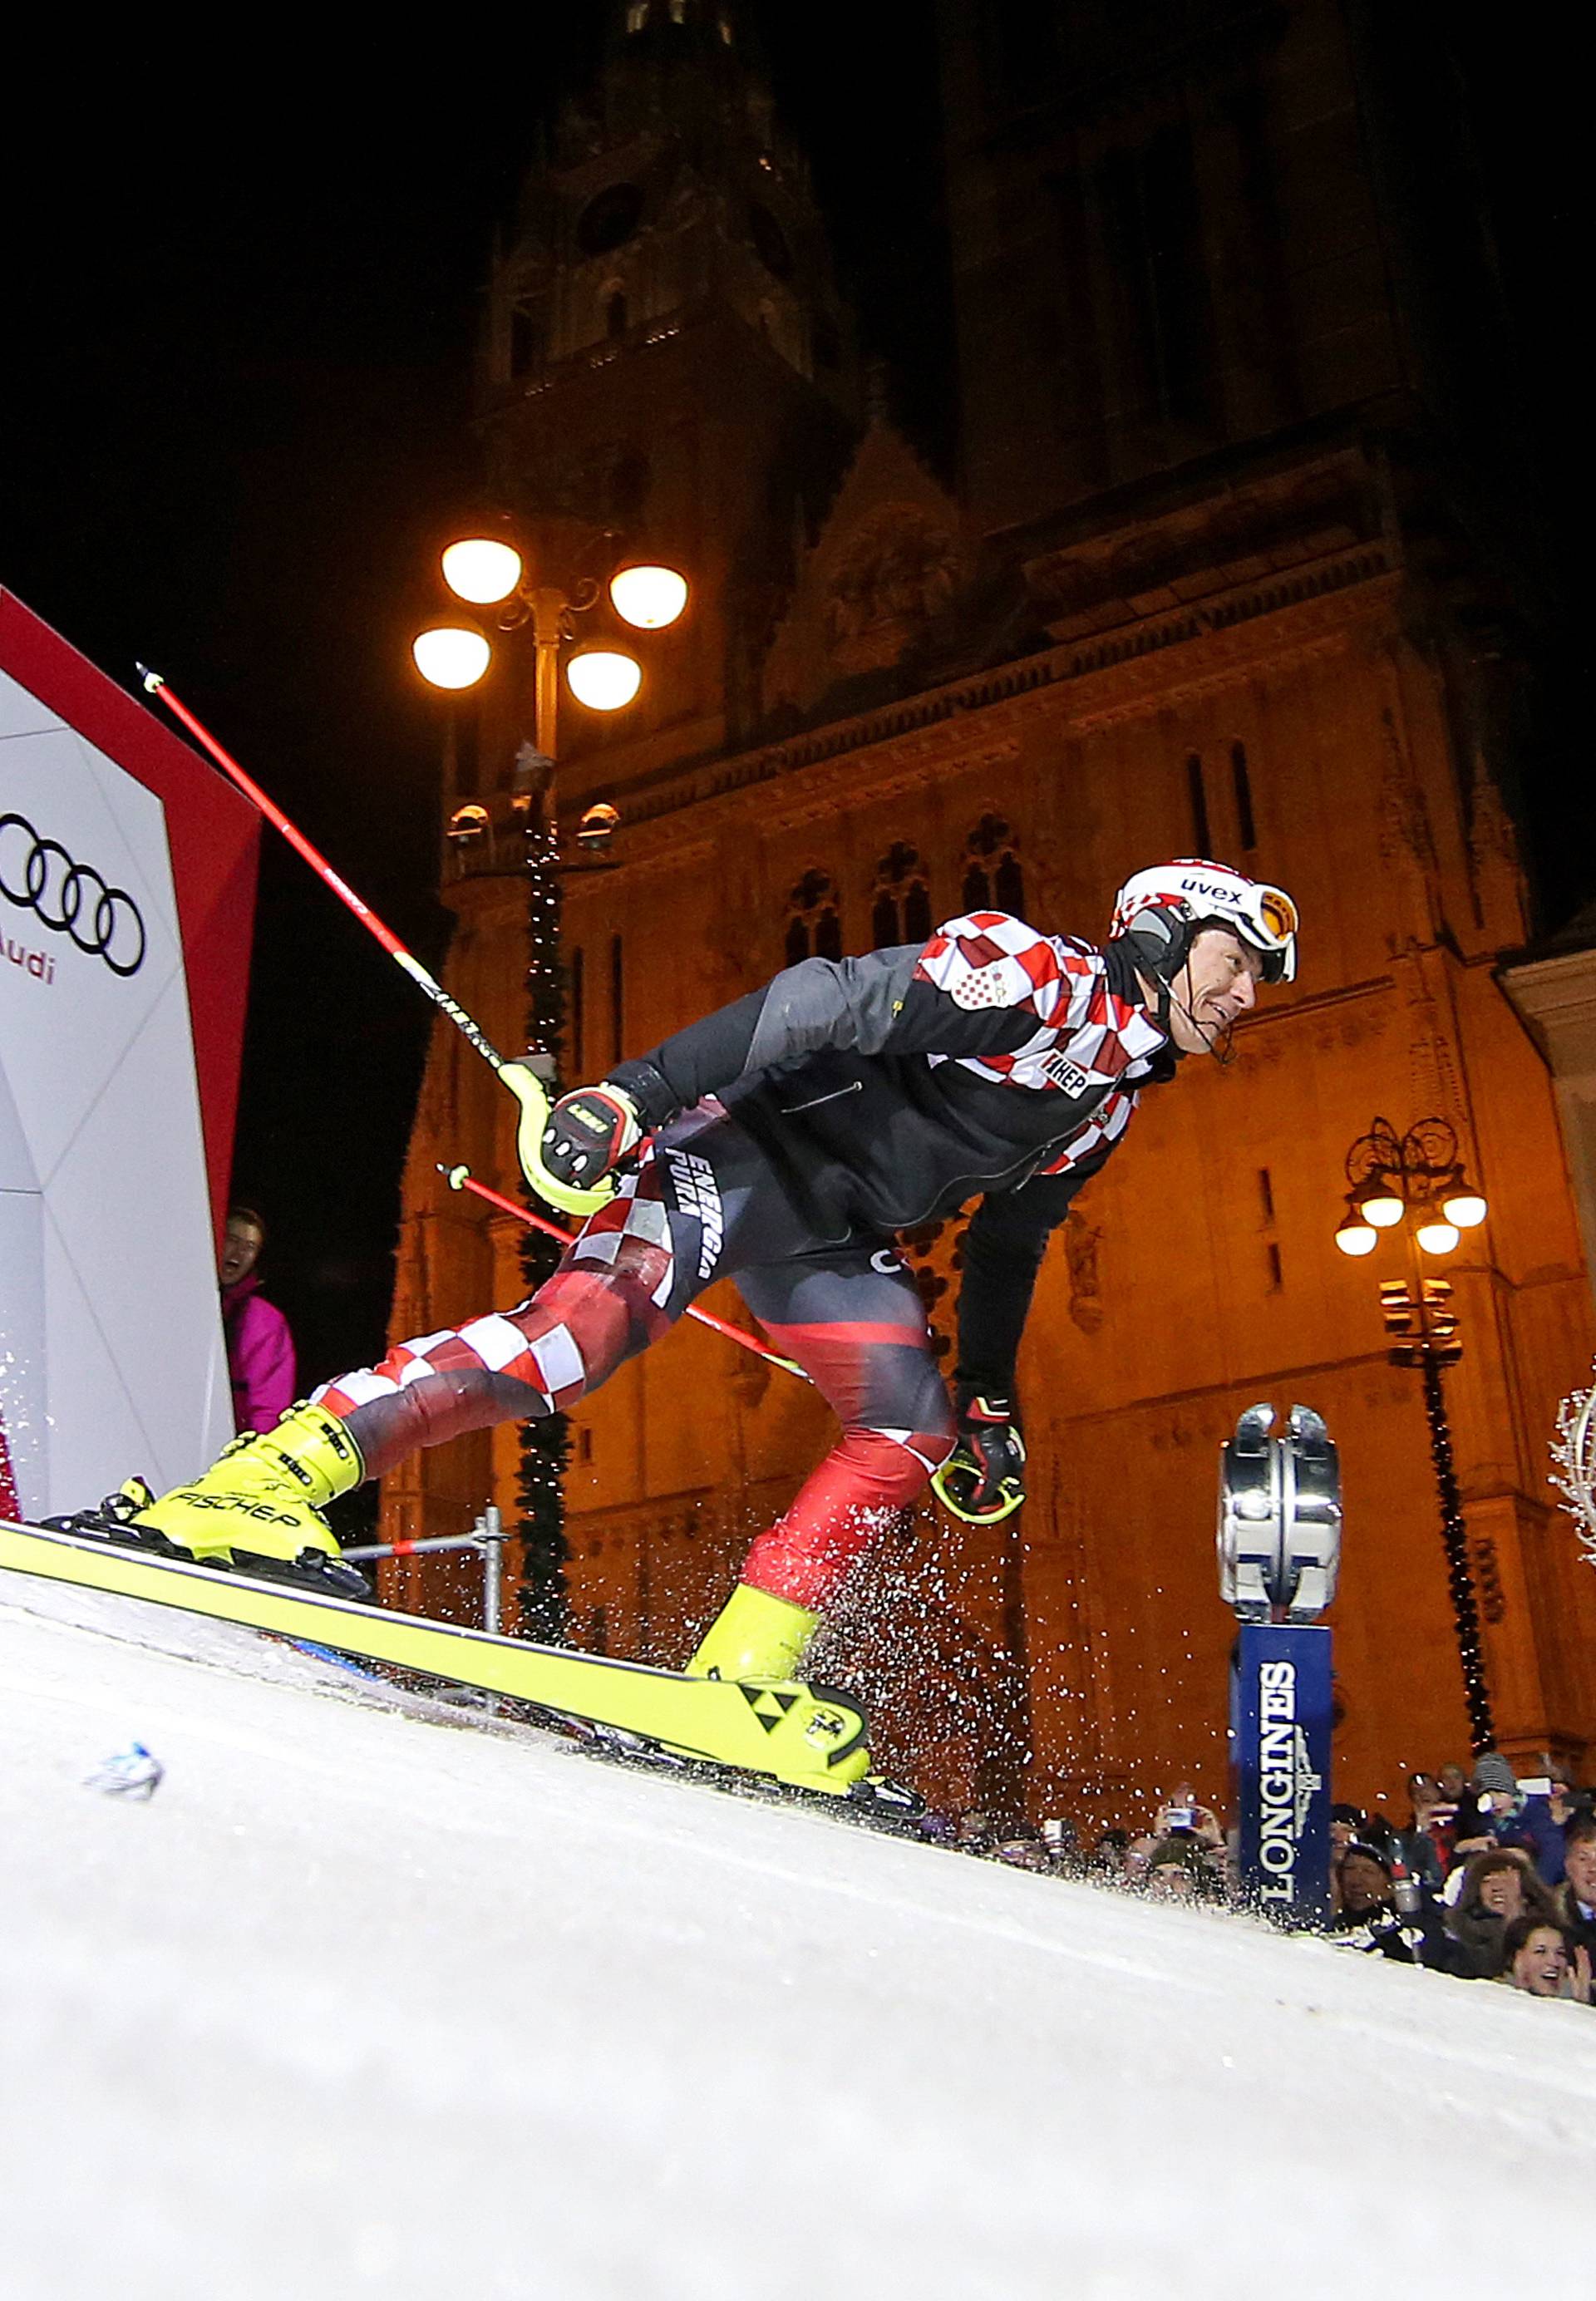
{"x": 783, "y": 1140}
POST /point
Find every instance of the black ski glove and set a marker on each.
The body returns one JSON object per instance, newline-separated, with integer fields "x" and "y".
{"x": 590, "y": 1132}
{"x": 983, "y": 1479}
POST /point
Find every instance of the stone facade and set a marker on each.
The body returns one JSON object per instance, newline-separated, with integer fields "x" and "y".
{"x": 1262, "y": 642}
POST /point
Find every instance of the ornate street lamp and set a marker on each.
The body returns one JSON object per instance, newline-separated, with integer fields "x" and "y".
{"x": 452, "y": 656}
{"x": 1415, "y": 1181}
{"x": 488, "y": 571}
{"x": 533, "y": 589}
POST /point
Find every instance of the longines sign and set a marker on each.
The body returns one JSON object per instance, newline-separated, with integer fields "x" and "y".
{"x": 1280, "y": 1726}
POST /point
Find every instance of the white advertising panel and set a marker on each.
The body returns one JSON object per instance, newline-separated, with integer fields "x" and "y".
{"x": 110, "y": 1351}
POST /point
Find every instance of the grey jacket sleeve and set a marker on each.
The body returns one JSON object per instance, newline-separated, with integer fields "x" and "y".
{"x": 873, "y": 1004}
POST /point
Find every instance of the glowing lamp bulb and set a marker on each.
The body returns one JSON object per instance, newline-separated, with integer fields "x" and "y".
{"x": 1464, "y": 1208}
{"x": 648, "y": 598}
{"x": 1355, "y": 1237}
{"x": 451, "y": 655}
{"x": 481, "y": 571}
{"x": 1437, "y": 1237}
{"x": 1384, "y": 1209}
{"x": 604, "y": 679}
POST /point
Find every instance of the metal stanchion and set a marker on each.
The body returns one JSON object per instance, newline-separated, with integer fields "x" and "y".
{"x": 488, "y": 1535}
{"x": 1279, "y": 1531}
{"x": 492, "y": 1534}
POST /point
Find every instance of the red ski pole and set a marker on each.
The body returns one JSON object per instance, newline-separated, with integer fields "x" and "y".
{"x": 522, "y": 1081}
{"x": 461, "y": 1178}
{"x": 155, "y": 685}
{"x": 526, "y": 1088}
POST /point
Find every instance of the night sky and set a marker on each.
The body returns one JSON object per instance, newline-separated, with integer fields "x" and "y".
{"x": 243, "y": 417}
{"x": 237, "y": 410}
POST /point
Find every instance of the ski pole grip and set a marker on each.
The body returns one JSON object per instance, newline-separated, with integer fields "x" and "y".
{"x": 530, "y": 1093}
{"x": 1010, "y": 1493}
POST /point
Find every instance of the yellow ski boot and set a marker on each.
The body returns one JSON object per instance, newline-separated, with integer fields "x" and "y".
{"x": 258, "y": 1507}
{"x": 760, "y": 1641}
{"x": 754, "y": 1636}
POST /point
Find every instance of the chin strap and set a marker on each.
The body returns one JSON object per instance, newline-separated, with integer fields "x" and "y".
{"x": 1219, "y": 1043}
{"x": 1156, "y": 957}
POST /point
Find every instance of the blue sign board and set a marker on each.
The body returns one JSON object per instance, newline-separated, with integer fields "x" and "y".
{"x": 1280, "y": 1752}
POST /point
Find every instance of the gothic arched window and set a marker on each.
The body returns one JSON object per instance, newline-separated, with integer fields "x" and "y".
{"x": 815, "y": 920}
{"x": 529, "y": 336}
{"x": 1197, "y": 793}
{"x": 1243, "y": 786}
{"x": 1162, "y": 326}
{"x": 900, "y": 907}
{"x": 615, "y": 313}
{"x": 993, "y": 877}
{"x": 624, "y": 483}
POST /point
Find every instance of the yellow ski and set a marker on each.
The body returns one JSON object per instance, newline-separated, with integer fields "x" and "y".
{"x": 791, "y": 1733}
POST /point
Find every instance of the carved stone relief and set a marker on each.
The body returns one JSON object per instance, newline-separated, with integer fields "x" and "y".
{"x": 1435, "y": 1088}
{"x": 1407, "y": 841}
{"x": 1496, "y": 872}
{"x": 1081, "y": 1240}
{"x": 896, "y": 570}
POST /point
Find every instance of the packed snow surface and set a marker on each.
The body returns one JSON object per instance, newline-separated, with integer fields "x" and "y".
{"x": 372, "y": 1999}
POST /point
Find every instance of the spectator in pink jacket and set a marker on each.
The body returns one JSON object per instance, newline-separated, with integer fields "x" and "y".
{"x": 260, "y": 1349}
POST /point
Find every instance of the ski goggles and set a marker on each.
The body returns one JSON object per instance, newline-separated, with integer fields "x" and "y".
{"x": 1267, "y": 917}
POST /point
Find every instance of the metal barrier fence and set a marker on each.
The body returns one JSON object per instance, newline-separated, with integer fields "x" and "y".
{"x": 488, "y": 1536}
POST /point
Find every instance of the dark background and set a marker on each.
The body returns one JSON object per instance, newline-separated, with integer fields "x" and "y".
{"x": 236, "y": 410}
{"x": 241, "y": 413}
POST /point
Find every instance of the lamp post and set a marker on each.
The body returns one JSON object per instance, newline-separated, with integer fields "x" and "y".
{"x": 1415, "y": 1182}
{"x": 535, "y": 591}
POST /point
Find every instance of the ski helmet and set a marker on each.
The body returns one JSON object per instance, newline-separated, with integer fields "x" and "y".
{"x": 1165, "y": 907}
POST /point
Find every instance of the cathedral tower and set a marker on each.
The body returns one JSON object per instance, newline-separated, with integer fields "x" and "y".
{"x": 664, "y": 358}
{"x": 1211, "y": 582}
{"x": 665, "y": 355}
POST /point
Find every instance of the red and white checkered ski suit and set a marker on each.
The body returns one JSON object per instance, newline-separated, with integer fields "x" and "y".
{"x": 794, "y": 1132}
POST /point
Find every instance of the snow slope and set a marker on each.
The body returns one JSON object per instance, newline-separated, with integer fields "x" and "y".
{"x": 371, "y": 2000}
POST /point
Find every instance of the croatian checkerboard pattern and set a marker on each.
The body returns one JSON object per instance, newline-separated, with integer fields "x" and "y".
{"x": 1088, "y": 1039}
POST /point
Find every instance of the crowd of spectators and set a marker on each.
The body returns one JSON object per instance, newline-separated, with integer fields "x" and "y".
{"x": 1489, "y": 1878}
{"x": 1493, "y": 1880}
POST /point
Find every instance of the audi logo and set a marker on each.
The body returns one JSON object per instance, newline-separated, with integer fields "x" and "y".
{"x": 72, "y": 898}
